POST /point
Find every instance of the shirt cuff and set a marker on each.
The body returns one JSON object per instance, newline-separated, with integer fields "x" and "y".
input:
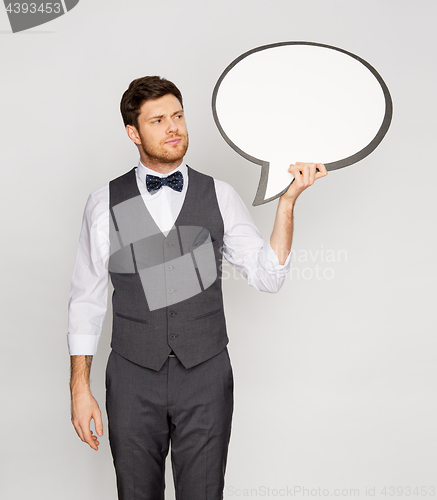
{"x": 270, "y": 262}
{"x": 80, "y": 345}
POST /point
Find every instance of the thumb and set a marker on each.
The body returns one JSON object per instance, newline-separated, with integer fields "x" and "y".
{"x": 97, "y": 415}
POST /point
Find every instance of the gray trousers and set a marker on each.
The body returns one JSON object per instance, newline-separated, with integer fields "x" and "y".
{"x": 191, "y": 408}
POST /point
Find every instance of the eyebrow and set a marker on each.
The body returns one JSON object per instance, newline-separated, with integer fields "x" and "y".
{"x": 155, "y": 117}
{"x": 162, "y": 116}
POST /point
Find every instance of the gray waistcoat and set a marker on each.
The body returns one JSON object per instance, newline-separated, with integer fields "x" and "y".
{"x": 167, "y": 289}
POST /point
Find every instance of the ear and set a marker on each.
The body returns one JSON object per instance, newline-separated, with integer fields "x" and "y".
{"x": 133, "y": 134}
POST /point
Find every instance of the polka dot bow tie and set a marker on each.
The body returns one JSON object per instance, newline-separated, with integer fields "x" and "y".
{"x": 175, "y": 181}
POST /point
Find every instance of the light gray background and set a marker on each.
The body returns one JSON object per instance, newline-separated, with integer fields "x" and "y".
{"x": 335, "y": 377}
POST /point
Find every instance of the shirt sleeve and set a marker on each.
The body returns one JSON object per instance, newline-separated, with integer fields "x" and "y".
{"x": 89, "y": 284}
{"x": 243, "y": 245}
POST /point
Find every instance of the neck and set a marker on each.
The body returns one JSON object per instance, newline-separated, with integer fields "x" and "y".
{"x": 157, "y": 166}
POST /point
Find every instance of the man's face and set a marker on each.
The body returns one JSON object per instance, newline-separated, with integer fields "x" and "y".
{"x": 162, "y": 137}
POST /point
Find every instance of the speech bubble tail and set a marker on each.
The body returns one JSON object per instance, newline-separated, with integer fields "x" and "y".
{"x": 273, "y": 182}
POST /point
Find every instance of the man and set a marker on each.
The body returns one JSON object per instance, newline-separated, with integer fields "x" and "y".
{"x": 159, "y": 232}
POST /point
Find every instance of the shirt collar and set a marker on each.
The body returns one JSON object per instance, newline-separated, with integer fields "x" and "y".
{"x": 142, "y": 171}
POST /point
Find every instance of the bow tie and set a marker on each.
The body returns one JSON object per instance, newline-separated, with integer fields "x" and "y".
{"x": 175, "y": 181}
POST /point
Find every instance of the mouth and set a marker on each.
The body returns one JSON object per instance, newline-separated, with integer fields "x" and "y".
{"x": 174, "y": 141}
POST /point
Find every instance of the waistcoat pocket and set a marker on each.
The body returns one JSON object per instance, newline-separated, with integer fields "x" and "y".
{"x": 137, "y": 320}
{"x": 210, "y": 313}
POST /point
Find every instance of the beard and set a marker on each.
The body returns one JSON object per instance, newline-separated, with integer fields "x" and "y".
{"x": 161, "y": 153}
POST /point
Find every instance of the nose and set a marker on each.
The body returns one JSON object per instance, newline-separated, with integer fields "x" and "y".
{"x": 171, "y": 126}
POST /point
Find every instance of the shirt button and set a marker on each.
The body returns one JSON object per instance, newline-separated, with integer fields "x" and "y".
{"x": 172, "y": 337}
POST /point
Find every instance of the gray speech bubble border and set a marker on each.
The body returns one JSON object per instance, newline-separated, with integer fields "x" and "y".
{"x": 373, "y": 144}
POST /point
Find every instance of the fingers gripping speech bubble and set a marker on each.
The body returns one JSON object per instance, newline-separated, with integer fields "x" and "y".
{"x": 300, "y": 101}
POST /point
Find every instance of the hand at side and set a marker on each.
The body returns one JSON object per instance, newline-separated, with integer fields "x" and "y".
{"x": 84, "y": 407}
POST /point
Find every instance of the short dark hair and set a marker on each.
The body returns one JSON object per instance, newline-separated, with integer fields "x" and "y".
{"x": 141, "y": 90}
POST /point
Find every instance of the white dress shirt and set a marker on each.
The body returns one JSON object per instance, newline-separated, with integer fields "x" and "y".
{"x": 243, "y": 247}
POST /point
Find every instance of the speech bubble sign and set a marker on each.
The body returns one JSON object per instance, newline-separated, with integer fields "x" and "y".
{"x": 300, "y": 101}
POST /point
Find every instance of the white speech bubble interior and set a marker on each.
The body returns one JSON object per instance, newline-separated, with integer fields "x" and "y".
{"x": 300, "y": 101}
